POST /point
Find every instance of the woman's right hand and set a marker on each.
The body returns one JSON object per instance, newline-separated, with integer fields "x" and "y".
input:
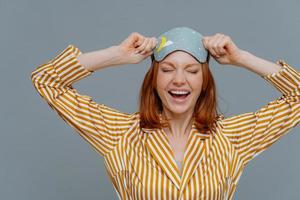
{"x": 136, "y": 47}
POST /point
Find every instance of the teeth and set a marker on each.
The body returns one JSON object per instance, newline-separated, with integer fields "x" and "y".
{"x": 179, "y": 92}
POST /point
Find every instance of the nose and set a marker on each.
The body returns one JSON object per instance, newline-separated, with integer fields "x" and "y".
{"x": 179, "y": 78}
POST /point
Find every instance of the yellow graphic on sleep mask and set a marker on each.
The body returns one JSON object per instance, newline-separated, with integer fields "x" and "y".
{"x": 163, "y": 43}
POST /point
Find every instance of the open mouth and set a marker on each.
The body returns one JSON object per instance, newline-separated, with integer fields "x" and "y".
{"x": 179, "y": 94}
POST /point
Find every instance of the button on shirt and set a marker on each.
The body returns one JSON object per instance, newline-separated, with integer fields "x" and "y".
{"x": 140, "y": 162}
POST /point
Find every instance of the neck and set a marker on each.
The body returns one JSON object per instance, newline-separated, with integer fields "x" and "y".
{"x": 180, "y": 125}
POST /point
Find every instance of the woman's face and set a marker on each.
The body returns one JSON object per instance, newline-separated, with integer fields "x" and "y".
{"x": 179, "y": 82}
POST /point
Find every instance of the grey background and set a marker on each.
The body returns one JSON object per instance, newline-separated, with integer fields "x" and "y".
{"x": 43, "y": 158}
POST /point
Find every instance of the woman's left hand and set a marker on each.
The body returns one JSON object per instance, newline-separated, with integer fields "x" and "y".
{"x": 222, "y": 48}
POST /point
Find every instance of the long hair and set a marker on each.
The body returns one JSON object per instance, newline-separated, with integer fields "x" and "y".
{"x": 150, "y": 105}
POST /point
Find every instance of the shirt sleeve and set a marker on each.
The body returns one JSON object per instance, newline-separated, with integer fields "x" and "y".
{"x": 253, "y": 132}
{"x": 101, "y": 126}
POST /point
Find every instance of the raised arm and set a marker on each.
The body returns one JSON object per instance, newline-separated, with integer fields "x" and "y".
{"x": 253, "y": 132}
{"x": 99, "y": 125}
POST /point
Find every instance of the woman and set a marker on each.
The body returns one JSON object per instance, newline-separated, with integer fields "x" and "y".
{"x": 177, "y": 123}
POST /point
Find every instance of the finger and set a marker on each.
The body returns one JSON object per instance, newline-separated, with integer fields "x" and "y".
{"x": 148, "y": 46}
{"x": 230, "y": 46}
{"x": 205, "y": 41}
{"x": 142, "y": 45}
{"x": 139, "y": 42}
{"x": 148, "y": 53}
{"x": 222, "y": 45}
{"x": 144, "y": 56}
{"x": 151, "y": 44}
{"x": 154, "y": 42}
{"x": 210, "y": 46}
{"x": 136, "y": 38}
{"x": 216, "y": 44}
{"x": 145, "y": 45}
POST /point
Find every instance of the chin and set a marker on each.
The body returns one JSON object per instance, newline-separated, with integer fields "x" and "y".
{"x": 178, "y": 109}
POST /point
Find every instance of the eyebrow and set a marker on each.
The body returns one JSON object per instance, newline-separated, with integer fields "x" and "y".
{"x": 188, "y": 65}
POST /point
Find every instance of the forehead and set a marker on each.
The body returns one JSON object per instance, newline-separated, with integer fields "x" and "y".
{"x": 180, "y": 58}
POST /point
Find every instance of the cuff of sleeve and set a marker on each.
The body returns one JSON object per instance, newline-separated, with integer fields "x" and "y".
{"x": 286, "y": 80}
{"x": 67, "y": 66}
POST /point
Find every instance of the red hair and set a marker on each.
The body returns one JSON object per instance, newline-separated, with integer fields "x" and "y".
{"x": 150, "y": 104}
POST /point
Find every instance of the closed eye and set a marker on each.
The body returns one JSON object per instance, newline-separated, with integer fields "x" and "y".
{"x": 166, "y": 70}
{"x": 193, "y": 72}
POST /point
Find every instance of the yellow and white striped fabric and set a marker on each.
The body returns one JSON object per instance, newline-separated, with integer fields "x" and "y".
{"x": 140, "y": 162}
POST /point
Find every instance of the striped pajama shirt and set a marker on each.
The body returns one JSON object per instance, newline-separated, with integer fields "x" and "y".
{"x": 140, "y": 162}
